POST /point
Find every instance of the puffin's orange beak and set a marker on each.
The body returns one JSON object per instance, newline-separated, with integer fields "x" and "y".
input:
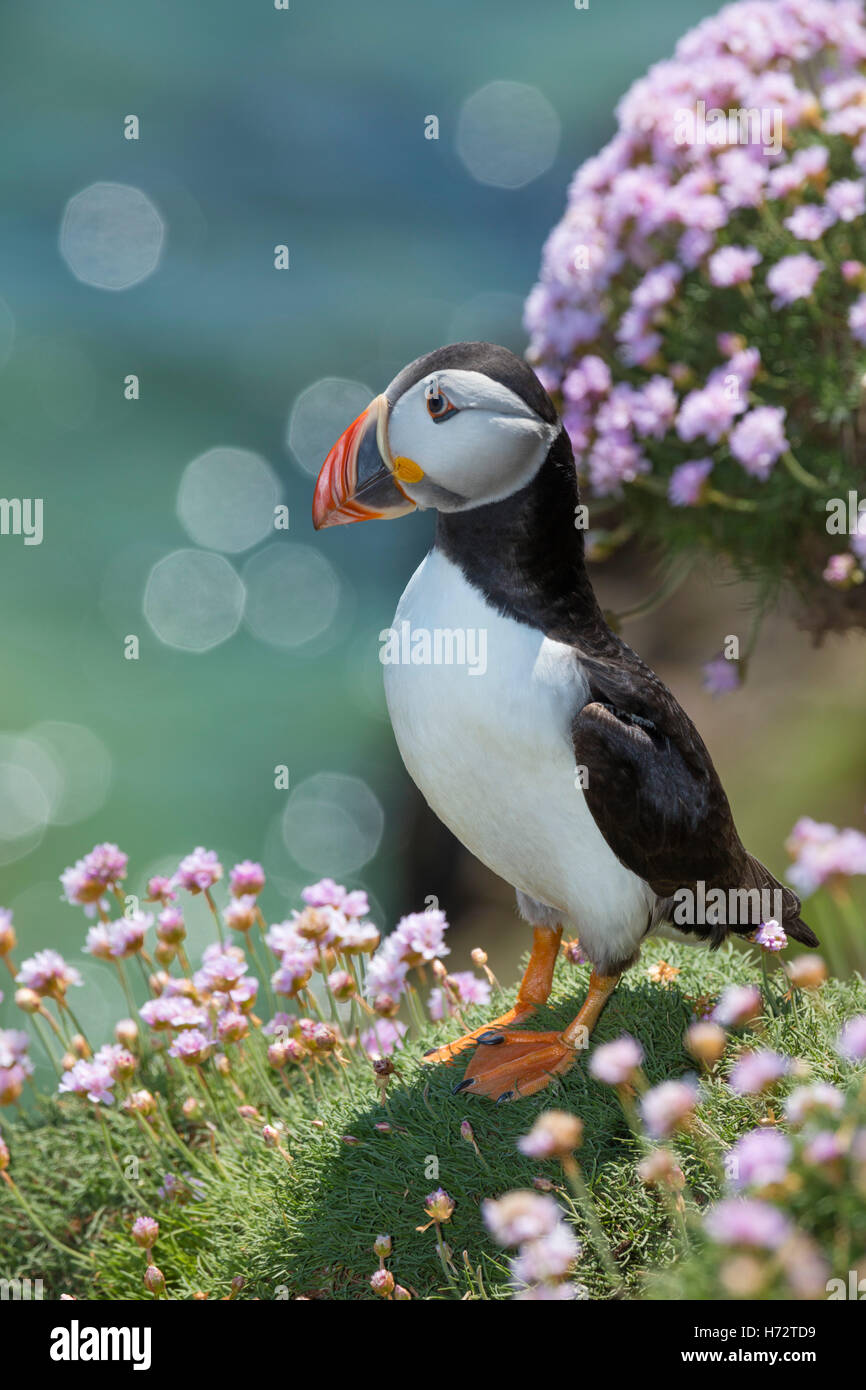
{"x": 357, "y": 481}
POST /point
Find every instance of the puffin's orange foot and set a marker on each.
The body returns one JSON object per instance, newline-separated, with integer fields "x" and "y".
{"x": 449, "y": 1051}
{"x": 509, "y": 1066}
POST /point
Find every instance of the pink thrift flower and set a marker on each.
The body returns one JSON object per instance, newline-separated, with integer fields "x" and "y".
{"x": 771, "y": 936}
{"x": 757, "y": 1071}
{"x": 687, "y": 483}
{"x": 759, "y": 1158}
{"x": 384, "y": 1038}
{"x": 793, "y": 278}
{"x": 246, "y": 879}
{"x": 857, "y": 319}
{"x": 667, "y": 1106}
{"x": 851, "y": 1043}
{"x": 738, "y": 1004}
{"x": 199, "y": 870}
{"x": 733, "y": 265}
{"x": 758, "y": 440}
{"x": 721, "y": 676}
{"x": 747, "y": 1222}
{"x": 615, "y": 1063}
{"x": 809, "y": 222}
{"x": 847, "y": 198}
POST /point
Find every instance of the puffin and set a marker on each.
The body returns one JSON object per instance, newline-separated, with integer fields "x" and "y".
{"x": 561, "y": 761}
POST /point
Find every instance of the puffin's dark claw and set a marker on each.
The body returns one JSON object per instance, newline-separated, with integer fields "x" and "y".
{"x": 490, "y": 1038}
{"x": 506, "y": 1095}
{"x": 461, "y": 1085}
{"x": 430, "y": 1051}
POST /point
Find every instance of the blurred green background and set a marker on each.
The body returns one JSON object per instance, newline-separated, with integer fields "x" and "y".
{"x": 305, "y": 128}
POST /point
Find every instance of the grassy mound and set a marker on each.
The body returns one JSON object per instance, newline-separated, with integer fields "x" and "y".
{"x": 360, "y": 1168}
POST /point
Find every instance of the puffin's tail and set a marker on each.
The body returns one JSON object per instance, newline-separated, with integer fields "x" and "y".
{"x": 759, "y": 876}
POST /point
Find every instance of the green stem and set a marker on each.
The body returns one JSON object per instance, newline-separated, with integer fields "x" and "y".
{"x": 213, "y": 907}
{"x": 731, "y": 504}
{"x": 40, "y": 1226}
{"x": 584, "y": 1200}
{"x": 801, "y": 474}
{"x": 674, "y": 581}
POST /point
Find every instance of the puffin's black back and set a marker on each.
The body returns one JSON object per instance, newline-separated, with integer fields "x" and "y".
{"x": 495, "y": 362}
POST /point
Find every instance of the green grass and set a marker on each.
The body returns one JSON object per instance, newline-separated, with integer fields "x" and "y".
{"x": 307, "y": 1228}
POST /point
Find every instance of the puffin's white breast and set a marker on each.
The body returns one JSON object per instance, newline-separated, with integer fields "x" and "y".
{"x": 490, "y": 749}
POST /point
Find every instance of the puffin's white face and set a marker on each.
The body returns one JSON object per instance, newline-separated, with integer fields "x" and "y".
{"x": 453, "y": 439}
{"x": 470, "y": 438}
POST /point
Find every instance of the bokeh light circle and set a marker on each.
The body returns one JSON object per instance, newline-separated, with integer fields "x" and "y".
{"x": 293, "y": 594}
{"x": 319, "y": 416}
{"x": 31, "y": 784}
{"x": 193, "y": 600}
{"x": 507, "y": 134}
{"x": 332, "y": 824}
{"x": 85, "y": 765}
{"x": 226, "y": 499}
{"x": 111, "y": 236}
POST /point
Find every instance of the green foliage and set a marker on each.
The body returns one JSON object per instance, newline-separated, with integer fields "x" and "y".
{"x": 306, "y": 1227}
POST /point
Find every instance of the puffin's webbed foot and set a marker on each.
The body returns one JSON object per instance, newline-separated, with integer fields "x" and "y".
{"x": 507, "y": 1066}
{"x": 449, "y": 1051}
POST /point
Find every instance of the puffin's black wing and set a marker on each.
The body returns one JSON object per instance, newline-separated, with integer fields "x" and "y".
{"x": 655, "y": 795}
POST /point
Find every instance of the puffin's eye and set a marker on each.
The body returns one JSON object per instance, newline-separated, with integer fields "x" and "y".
{"x": 438, "y": 405}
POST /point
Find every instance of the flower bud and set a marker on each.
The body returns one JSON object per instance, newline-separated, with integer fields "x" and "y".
{"x": 439, "y": 1206}
{"x": 706, "y": 1041}
{"x": 145, "y": 1231}
{"x": 323, "y": 1038}
{"x": 479, "y": 957}
{"x": 573, "y": 952}
{"x": 382, "y": 1283}
{"x": 28, "y": 1000}
{"x": 807, "y": 972}
{"x": 382, "y": 1247}
{"x": 154, "y": 1280}
{"x": 555, "y": 1134}
{"x": 341, "y": 984}
{"x": 660, "y": 1166}
{"x": 140, "y": 1103}
{"x": 126, "y": 1032}
{"x": 386, "y": 1006}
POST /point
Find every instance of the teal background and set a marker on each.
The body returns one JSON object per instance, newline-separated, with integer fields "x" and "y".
{"x": 305, "y": 127}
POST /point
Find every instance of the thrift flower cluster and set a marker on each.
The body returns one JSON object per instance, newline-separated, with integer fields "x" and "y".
{"x": 821, "y": 855}
{"x": 698, "y": 252}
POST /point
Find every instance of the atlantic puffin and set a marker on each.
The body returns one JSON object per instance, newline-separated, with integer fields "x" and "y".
{"x": 565, "y": 765}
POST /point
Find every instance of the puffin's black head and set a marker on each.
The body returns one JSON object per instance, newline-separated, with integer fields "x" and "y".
{"x": 465, "y": 425}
